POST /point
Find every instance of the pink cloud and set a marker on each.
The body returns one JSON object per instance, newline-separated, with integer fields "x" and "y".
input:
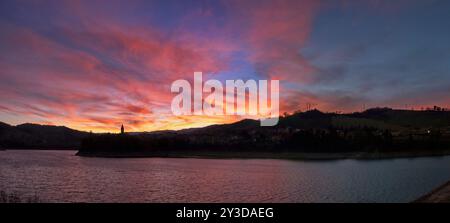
{"x": 277, "y": 31}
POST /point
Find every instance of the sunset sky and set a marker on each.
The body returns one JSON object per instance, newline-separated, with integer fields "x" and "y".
{"x": 93, "y": 65}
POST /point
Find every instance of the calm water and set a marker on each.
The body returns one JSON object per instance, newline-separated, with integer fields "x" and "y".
{"x": 60, "y": 176}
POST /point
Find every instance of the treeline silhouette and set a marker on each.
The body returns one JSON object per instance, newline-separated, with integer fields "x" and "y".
{"x": 331, "y": 140}
{"x": 374, "y": 130}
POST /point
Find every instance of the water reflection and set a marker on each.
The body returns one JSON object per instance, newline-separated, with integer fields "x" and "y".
{"x": 59, "y": 176}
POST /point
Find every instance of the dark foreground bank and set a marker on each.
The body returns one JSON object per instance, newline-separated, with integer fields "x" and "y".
{"x": 438, "y": 195}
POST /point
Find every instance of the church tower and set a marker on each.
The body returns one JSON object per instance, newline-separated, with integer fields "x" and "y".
{"x": 122, "y": 130}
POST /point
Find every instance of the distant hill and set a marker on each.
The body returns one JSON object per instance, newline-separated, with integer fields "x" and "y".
{"x": 34, "y": 136}
{"x": 379, "y": 118}
{"x": 407, "y": 118}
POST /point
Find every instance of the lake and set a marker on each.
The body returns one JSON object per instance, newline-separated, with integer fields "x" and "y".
{"x": 60, "y": 176}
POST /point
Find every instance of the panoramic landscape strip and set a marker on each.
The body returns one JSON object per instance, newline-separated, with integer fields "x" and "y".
{"x": 225, "y": 110}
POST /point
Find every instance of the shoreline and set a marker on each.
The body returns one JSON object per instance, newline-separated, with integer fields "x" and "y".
{"x": 267, "y": 155}
{"x": 439, "y": 195}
